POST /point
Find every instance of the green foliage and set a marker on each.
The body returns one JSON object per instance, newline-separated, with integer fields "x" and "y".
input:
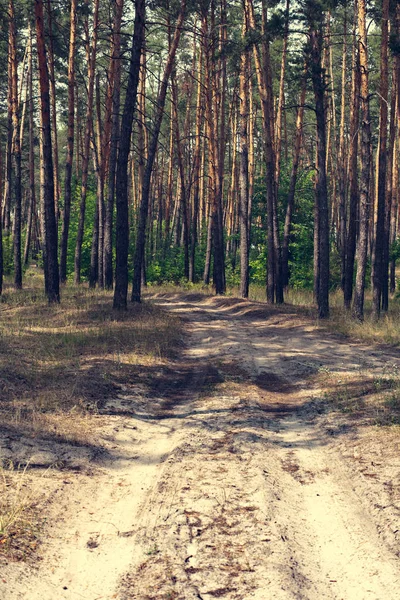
{"x": 8, "y": 259}
{"x": 395, "y": 250}
{"x": 87, "y": 239}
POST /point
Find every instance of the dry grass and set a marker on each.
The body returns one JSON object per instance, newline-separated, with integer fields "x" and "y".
{"x": 384, "y": 331}
{"x": 59, "y": 363}
{"x": 21, "y": 517}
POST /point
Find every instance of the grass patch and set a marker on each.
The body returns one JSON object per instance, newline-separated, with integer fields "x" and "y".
{"x": 21, "y": 518}
{"x": 60, "y": 362}
{"x": 368, "y": 401}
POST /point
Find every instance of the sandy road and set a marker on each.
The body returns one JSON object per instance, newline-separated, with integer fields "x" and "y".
{"x": 221, "y": 482}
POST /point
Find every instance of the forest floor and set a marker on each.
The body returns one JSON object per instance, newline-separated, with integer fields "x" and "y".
{"x": 261, "y": 461}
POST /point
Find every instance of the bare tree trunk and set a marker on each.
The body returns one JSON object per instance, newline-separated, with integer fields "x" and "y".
{"x": 6, "y": 208}
{"x": 321, "y": 189}
{"x": 265, "y": 91}
{"x": 115, "y": 79}
{"x": 196, "y": 168}
{"x": 281, "y": 99}
{"x": 341, "y": 168}
{"x": 358, "y": 302}
{"x": 378, "y": 272}
{"x": 32, "y": 193}
{"x": 57, "y": 190}
{"x": 352, "y": 170}
{"x": 244, "y": 172}
{"x": 49, "y": 216}
{"x": 91, "y": 52}
{"x": 122, "y": 220}
{"x": 70, "y": 144}
{"x": 16, "y": 149}
{"x": 181, "y": 168}
{"x": 293, "y": 180}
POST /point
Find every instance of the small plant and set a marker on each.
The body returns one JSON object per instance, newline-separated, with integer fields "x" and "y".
{"x": 153, "y": 550}
{"x": 18, "y": 519}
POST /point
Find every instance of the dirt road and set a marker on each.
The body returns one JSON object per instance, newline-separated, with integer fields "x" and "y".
{"x": 226, "y": 477}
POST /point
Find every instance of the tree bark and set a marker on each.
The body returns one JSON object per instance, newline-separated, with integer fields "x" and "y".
{"x": 115, "y": 68}
{"x": 362, "y": 249}
{"x": 16, "y": 148}
{"x": 49, "y": 216}
{"x": 70, "y": 144}
{"x": 244, "y": 172}
{"x": 91, "y": 52}
{"x": 122, "y": 218}
{"x": 352, "y": 170}
{"x": 321, "y": 189}
{"x": 293, "y": 181}
{"x": 32, "y": 192}
{"x": 378, "y": 271}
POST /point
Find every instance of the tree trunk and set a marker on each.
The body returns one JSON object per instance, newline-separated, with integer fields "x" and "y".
{"x": 183, "y": 198}
{"x": 32, "y": 192}
{"x": 6, "y": 208}
{"x": 321, "y": 189}
{"x": 53, "y": 98}
{"x": 196, "y": 169}
{"x": 70, "y": 145}
{"x": 362, "y": 249}
{"x": 352, "y": 170}
{"x": 16, "y": 149}
{"x": 378, "y": 271}
{"x": 293, "y": 180}
{"x": 341, "y": 168}
{"x": 115, "y": 67}
{"x": 49, "y": 216}
{"x": 122, "y": 218}
{"x": 91, "y": 52}
{"x": 267, "y": 123}
{"x": 244, "y": 172}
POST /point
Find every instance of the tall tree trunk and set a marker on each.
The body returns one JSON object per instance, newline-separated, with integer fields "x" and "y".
{"x": 341, "y": 167}
{"x": 181, "y": 167}
{"x": 267, "y": 123}
{"x": 6, "y": 208}
{"x": 378, "y": 272}
{"x": 50, "y": 225}
{"x": 389, "y": 197}
{"x": 70, "y": 144}
{"x": 281, "y": 99}
{"x": 53, "y": 98}
{"x": 122, "y": 218}
{"x": 244, "y": 172}
{"x": 352, "y": 169}
{"x": 101, "y": 159}
{"x": 144, "y": 204}
{"x": 32, "y": 192}
{"x": 362, "y": 248}
{"x": 16, "y": 149}
{"x": 293, "y": 181}
{"x": 196, "y": 168}
{"x": 321, "y": 189}
{"x": 115, "y": 68}
{"x": 91, "y": 52}
{"x": 395, "y": 186}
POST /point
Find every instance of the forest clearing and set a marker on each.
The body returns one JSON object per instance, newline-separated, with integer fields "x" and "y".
{"x": 195, "y": 447}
